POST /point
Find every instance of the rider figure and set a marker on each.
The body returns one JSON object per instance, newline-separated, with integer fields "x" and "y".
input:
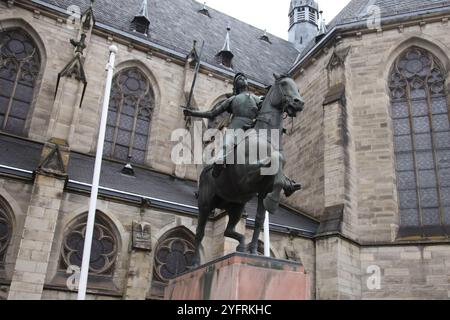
{"x": 243, "y": 106}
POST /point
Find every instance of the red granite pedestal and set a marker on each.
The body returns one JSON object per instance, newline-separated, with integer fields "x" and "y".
{"x": 242, "y": 277}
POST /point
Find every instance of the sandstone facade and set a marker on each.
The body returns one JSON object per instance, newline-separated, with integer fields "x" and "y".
{"x": 340, "y": 148}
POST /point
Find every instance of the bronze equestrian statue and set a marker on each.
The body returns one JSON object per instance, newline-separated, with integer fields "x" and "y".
{"x": 230, "y": 187}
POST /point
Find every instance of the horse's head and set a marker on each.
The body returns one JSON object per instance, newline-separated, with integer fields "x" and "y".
{"x": 287, "y": 96}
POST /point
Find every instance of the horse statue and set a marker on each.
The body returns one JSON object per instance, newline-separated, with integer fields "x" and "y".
{"x": 239, "y": 183}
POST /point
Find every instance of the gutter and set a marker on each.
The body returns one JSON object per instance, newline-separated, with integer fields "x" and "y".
{"x": 154, "y": 202}
{"x": 16, "y": 172}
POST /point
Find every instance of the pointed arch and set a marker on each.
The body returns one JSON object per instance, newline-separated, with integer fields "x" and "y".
{"x": 419, "y": 110}
{"x": 426, "y": 42}
{"x": 154, "y": 82}
{"x": 132, "y": 106}
{"x": 22, "y": 64}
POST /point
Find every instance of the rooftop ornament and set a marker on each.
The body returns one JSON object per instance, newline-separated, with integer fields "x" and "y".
{"x": 225, "y": 56}
{"x": 141, "y": 20}
{"x": 204, "y": 10}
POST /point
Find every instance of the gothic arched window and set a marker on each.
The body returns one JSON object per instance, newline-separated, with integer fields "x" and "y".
{"x": 420, "y": 113}
{"x": 130, "y": 113}
{"x": 5, "y": 232}
{"x": 19, "y": 68}
{"x": 104, "y": 246}
{"x": 173, "y": 256}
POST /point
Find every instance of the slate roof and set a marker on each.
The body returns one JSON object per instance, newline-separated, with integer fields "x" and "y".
{"x": 357, "y": 10}
{"x": 175, "y": 24}
{"x": 25, "y": 155}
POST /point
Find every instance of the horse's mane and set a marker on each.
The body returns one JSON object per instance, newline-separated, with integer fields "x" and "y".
{"x": 280, "y": 77}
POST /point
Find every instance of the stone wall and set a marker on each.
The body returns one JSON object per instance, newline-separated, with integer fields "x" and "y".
{"x": 337, "y": 269}
{"x": 370, "y": 61}
{"x": 369, "y": 191}
{"x": 304, "y": 143}
{"x": 130, "y": 263}
{"x": 407, "y": 272}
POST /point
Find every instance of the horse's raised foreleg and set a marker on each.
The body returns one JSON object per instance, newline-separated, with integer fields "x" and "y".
{"x": 259, "y": 222}
{"x": 235, "y": 214}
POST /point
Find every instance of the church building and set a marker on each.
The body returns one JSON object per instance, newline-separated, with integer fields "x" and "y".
{"x": 371, "y": 147}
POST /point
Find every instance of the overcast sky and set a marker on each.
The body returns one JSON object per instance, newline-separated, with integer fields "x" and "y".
{"x": 270, "y": 14}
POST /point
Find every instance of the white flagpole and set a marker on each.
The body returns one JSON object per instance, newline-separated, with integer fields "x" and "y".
{"x": 96, "y": 179}
{"x": 266, "y": 236}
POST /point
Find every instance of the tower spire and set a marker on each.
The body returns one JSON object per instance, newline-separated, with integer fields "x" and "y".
{"x": 304, "y": 22}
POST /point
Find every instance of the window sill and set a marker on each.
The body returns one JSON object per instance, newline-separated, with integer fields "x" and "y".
{"x": 97, "y": 285}
{"x": 429, "y": 233}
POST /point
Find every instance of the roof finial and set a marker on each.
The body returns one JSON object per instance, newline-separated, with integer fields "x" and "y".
{"x": 322, "y": 24}
{"x": 225, "y": 54}
{"x": 204, "y": 10}
{"x": 128, "y": 168}
{"x": 143, "y": 11}
{"x": 227, "y": 46}
{"x": 141, "y": 20}
{"x": 265, "y": 37}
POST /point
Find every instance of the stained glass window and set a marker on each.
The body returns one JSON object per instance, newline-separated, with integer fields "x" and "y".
{"x": 174, "y": 255}
{"x": 129, "y": 117}
{"x": 5, "y": 233}
{"x": 104, "y": 246}
{"x": 19, "y": 68}
{"x": 420, "y": 113}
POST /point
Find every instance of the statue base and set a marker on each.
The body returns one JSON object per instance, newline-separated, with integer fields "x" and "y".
{"x": 241, "y": 276}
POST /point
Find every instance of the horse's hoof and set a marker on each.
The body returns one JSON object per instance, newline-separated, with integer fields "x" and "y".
{"x": 240, "y": 248}
{"x": 253, "y": 251}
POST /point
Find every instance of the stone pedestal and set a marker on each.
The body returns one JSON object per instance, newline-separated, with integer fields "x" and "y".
{"x": 242, "y": 277}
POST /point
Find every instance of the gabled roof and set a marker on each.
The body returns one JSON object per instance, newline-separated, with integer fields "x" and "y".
{"x": 176, "y": 23}
{"x": 358, "y": 10}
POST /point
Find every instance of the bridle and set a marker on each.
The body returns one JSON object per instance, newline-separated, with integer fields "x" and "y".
{"x": 285, "y": 101}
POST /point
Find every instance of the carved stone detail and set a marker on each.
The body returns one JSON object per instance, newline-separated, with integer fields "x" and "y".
{"x": 142, "y": 237}
{"x": 54, "y": 158}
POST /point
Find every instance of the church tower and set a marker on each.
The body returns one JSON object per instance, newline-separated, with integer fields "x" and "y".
{"x": 304, "y": 21}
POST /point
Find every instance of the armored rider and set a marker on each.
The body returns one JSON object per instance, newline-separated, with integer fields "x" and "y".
{"x": 243, "y": 106}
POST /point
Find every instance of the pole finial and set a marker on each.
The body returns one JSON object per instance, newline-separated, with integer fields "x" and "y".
{"x": 113, "y": 48}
